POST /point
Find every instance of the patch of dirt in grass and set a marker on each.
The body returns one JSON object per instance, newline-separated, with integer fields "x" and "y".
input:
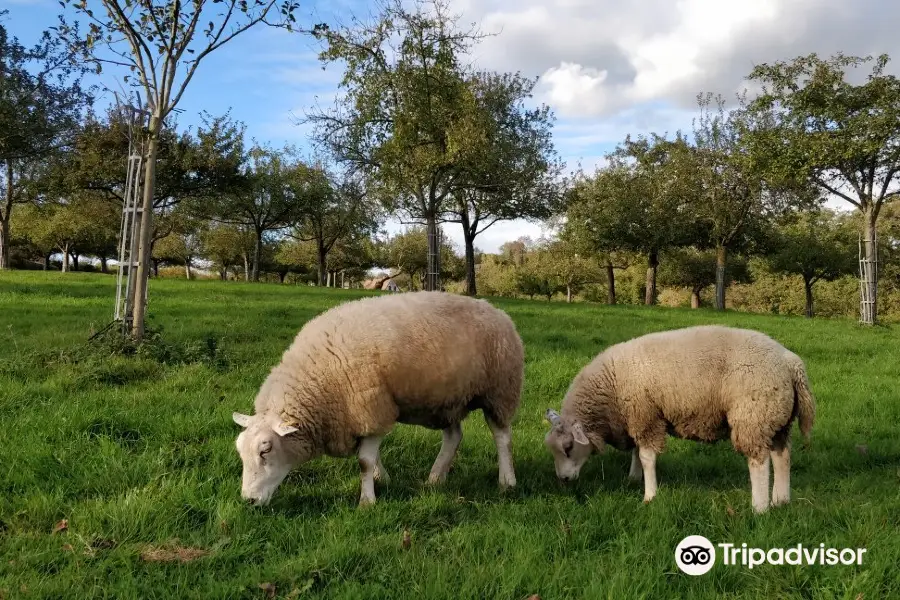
{"x": 172, "y": 552}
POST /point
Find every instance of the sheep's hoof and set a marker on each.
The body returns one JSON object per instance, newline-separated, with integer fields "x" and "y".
{"x": 365, "y": 502}
{"x": 507, "y": 484}
{"x": 436, "y": 479}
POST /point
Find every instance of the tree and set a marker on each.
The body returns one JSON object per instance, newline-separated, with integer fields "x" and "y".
{"x": 225, "y": 246}
{"x": 408, "y": 119}
{"x": 184, "y": 242}
{"x": 733, "y": 200}
{"x": 843, "y": 137}
{"x": 638, "y": 203}
{"x": 816, "y": 246}
{"x": 515, "y": 173}
{"x": 162, "y": 44}
{"x": 269, "y": 198}
{"x": 70, "y": 226}
{"x": 697, "y": 270}
{"x": 336, "y": 207}
{"x": 41, "y": 99}
{"x": 405, "y": 252}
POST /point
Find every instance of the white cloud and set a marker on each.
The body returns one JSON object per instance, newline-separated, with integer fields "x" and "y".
{"x": 598, "y": 57}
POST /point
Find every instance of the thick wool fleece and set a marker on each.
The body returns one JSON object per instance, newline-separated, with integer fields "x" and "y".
{"x": 701, "y": 383}
{"x": 425, "y": 358}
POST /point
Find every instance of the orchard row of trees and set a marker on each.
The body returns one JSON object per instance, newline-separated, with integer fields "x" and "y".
{"x": 419, "y": 134}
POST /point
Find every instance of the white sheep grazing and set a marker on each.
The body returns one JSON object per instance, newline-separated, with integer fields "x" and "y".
{"x": 351, "y": 373}
{"x": 701, "y": 383}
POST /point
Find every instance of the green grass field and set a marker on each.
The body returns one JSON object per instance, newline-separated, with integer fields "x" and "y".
{"x": 137, "y": 454}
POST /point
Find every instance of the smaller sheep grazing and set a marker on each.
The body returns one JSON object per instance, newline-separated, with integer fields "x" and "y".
{"x": 703, "y": 383}
{"x": 352, "y": 372}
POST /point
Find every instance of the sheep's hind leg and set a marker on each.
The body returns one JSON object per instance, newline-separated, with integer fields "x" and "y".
{"x": 503, "y": 440}
{"x": 759, "y": 482}
{"x": 381, "y": 474}
{"x": 781, "y": 466}
{"x": 647, "y": 457}
{"x": 369, "y": 458}
{"x": 636, "y": 472}
{"x": 449, "y": 446}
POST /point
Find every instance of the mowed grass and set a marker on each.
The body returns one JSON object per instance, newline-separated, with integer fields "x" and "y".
{"x": 137, "y": 454}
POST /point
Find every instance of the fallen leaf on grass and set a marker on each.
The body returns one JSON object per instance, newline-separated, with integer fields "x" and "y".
{"x": 268, "y": 588}
{"x": 103, "y": 544}
{"x": 729, "y": 510}
{"x": 407, "y": 541}
{"x": 172, "y": 553}
{"x": 533, "y": 597}
{"x": 61, "y": 526}
{"x": 68, "y": 548}
{"x": 862, "y": 448}
{"x": 859, "y": 596}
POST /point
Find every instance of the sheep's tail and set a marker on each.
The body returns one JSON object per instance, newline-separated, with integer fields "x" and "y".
{"x": 803, "y": 396}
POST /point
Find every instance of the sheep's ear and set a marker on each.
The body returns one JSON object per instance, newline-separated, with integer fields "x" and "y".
{"x": 284, "y": 429}
{"x": 241, "y": 419}
{"x": 552, "y": 416}
{"x": 578, "y": 435}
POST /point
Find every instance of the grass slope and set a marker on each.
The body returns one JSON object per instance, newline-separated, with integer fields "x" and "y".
{"x": 137, "y": 454}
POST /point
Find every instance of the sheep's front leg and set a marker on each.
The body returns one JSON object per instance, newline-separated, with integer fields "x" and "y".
{"x": 449, "y": 446}
{"x": 648, "y": 464}
{"x": 369, "y": 458}
{"x": 635, "y": 472}
{"x": 759, "y": 482}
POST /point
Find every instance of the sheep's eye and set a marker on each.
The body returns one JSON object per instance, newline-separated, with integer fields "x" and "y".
{"x": 265, "y": 448}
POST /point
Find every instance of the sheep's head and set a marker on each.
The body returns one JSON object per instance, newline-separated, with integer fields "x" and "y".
{"x": 568, "y": 444}
{"x": 268, "y": 455}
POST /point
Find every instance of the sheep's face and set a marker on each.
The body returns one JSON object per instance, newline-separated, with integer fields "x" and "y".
{"x": 569, "y": 446}
{"x": 267, "y": 456}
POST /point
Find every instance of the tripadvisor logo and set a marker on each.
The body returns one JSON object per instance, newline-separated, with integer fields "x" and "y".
{"x": 696, "y": 555}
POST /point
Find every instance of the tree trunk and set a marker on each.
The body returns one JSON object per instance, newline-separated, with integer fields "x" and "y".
{"x": 695, "y": 297}
{"x": 469, "y": 242}
{"x": 721, "y": 255}
{"x": 808, "y": 288}
{"x": 155, "y": 268}
{"x": 75, "y": 256}
{"x": 868, "y": 271}
{"x": 145, "y": 231}
{"x": 246, "y": 266}
{"x": 433, "y": 268}
{"x": 104, "y": 266}
{"x": 323, "y": 257}
{"x": 610, "y": 284}
{"x": 187, "y": 268}
{"x": 257, "y": 254}
{"x": 4, "y": 242}
{"x": 47, "y": 261}
{"x": 282, "y": 275}
{"x": 223, "y": 274}
{"x": 65, "y": 264}
{"x": 5, "y": 218}
{"x": 568, "y": 294}
{"x": 650, "y": 289}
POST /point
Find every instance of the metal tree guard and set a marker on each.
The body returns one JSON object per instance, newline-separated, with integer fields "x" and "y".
{"x": 868, "y": 279}
{"x": 433, "y": 263}
{"x": 129, "y": 237}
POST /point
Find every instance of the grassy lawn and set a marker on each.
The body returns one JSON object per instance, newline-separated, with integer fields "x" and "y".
{"x": 137, "y": 454}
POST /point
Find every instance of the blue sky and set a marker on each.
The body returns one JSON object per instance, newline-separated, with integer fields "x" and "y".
{"x": 606, "y": 68}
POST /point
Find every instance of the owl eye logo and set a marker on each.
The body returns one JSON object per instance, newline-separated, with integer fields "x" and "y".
{"x": 695, "y": 555}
